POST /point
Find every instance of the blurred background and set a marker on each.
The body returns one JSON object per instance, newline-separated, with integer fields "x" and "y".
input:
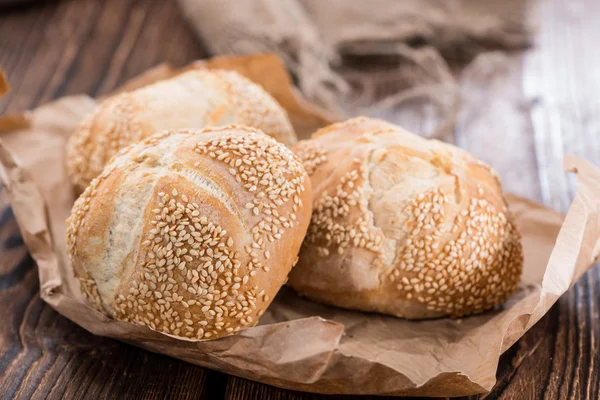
{"x": 514, "y": 82}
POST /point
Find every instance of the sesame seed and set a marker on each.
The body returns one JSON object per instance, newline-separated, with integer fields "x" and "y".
{"x": 190, "y": 264}
{"x": 463, "y": 258}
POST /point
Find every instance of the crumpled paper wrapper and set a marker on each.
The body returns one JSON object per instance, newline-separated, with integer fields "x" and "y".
{"x": 299, "y": 344}
{"x": 3, "y": 83}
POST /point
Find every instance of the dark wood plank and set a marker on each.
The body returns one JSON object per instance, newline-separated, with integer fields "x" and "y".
{"x": 88, "y": 47}
{"x": 44, "y": 355}
{"x": 560, "y": 81}
{"x": 557, "y": 359}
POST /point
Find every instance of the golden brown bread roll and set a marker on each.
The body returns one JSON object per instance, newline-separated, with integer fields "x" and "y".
{"x": 403, "y": 225}
{"x": 191, "y": 233}
{"x": 194, "y": 99}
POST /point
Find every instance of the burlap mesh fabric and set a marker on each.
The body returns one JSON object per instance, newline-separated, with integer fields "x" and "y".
{"x": 357, "y": 56}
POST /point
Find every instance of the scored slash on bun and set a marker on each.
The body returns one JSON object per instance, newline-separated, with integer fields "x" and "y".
{"x": 194, "y": 99}
{"x": 403, "y": 225}
{"x": 191, "y": 233}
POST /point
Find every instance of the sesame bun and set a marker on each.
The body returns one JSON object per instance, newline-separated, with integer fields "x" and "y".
{"x": 402, "y": 225}
{"x": 195, "y": 99}
{"x": 191, "y": 233}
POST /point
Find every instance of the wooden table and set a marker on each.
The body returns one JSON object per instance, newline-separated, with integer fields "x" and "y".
{"x": 88, "y": 46}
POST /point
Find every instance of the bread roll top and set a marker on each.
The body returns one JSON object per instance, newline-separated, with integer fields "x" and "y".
{"x": 191, "y": 233}
{"x": 194, "y": 99}
{"x": 403, "y": 225}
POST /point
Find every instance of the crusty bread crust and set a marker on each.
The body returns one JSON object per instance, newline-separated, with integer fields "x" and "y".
{"x": 403, "y": 225}
{"x": 191, "y": 233}
{"x": 194, "y": 99}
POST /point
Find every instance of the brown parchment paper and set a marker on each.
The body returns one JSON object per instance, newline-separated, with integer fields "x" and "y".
{"x": 3, "y": 83}
{"x": 300, "y": 344}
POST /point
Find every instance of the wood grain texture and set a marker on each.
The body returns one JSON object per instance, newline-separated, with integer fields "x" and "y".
{"x": 536, "y": 108}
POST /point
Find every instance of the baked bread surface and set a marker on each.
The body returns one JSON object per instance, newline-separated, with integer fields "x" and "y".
{"x": 194, "y": 99}
{"x": 402, "y": 225}
{"x": 191, "y": 233}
